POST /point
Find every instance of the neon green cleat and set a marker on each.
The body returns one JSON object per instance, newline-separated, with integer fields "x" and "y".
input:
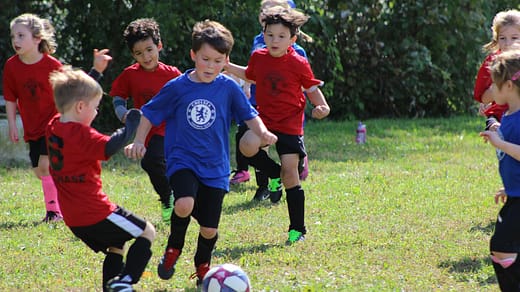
{"x": 275, "y": 189}
{"x": 294, "y": 236}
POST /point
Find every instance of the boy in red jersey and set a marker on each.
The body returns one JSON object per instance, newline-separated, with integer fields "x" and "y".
{"x": 280, "y": 74}
{"x": 27, "y": 88}
{"x": 75, "y": 151}
{"x": 141, "y": 81}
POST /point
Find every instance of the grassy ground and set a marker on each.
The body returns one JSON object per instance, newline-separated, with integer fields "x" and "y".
{"x": 412, "y": 210}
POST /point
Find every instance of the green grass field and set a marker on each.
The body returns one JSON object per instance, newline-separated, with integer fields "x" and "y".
{"x": 412, "y": 210}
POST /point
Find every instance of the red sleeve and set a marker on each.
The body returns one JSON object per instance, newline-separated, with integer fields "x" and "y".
{"x": 483, "y": 80}
{"x": 8, "y": 82}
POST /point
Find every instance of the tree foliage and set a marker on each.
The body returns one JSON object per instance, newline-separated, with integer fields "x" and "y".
{"x": 377, "y": 58}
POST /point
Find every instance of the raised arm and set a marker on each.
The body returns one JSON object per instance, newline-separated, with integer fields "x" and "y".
{"x": 121, "y": 136}
{"x": 237, "y": 70}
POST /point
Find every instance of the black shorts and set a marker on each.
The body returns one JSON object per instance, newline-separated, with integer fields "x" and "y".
{"x": 290, "y": 144}
{"x": 208, "y": 200}
{"x": 506, "y": 237}
{"x": 36, "y": 149}
{"x": 113, "y": 231}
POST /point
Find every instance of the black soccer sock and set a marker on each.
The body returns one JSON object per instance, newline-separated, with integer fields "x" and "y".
{"x": 137, "y": 258}
{"x": 296, "y": 207}
{"x": 265, "y": 164}
{"x": 505, "y": 281}
{"x": 261, "y": 179}
{"x": 204, "y": 250}
{"x": 179, "y": 226}
{"x": 112, "y": 266}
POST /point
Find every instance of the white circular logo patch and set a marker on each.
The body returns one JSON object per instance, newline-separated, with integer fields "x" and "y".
{"x": 201, "y": 114}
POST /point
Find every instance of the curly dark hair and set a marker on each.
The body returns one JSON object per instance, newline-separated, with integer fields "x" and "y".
{"x": 142, "y": 29}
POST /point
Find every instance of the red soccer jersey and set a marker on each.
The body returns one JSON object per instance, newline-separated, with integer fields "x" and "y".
{"x": 482, "y": 83}
{"x": 29, "y": 87}
{"x": 279, "y": 83}
{"x": 142, "y": 85}
{"x": 75, "y": 152}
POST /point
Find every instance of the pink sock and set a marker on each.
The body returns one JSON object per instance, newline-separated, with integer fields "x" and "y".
{"x": 50, "y": 194}
{"x": 505, "y": 263}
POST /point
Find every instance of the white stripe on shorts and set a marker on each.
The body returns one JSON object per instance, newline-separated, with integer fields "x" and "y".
{"x": 125, "y": 224}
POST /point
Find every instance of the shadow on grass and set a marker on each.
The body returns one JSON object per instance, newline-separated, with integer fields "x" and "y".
{"x": 20, "y": 224}
{"x": 237, "y": 252}
{"x": 470, "y": 269}
{"x": 487, "y": 229}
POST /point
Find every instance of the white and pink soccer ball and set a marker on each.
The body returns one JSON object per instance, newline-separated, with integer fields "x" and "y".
{"x": 226, "y": 278}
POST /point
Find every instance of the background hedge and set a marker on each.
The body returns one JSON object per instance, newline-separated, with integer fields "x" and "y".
{"x": 408, "y": 58}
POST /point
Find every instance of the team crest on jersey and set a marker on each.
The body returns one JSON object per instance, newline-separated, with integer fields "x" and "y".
{"x": 500, "y": 153}
{"x": 201, "y": 114}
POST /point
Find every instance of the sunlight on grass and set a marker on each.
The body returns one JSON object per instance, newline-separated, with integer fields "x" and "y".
{"x": 411, "y": 210}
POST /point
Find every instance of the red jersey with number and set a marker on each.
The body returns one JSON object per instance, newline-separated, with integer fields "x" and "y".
{"x": 482, "y": 83}
{"x": 279, "y": 84}
{"x": 75, "y": 152}
{"x": 28, "y": 85}
{"x": 140, "y": 85}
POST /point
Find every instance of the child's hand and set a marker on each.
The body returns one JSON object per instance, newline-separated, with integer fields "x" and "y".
{"x": 482, "y": 108}
{"x": 491, "y": 137}
{"x": 494, "y": 126}
{"x": 101, "y": 60}
{"x": 500, "y": 196}
{"x": 135, "y": 150}
{"x": 268, "y": 138}
{"x": 320, "y": 111}
{"x": 13, "y": 133}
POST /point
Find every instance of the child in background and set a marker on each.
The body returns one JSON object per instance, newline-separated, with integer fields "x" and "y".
{"x": 505, "y": 242}
{"x": 198, "y": 108}
{"x": 280, "y": 74}
{"x": 506, "y": 32}
{"x": 265, "y": 187}
{"x": 141, "y": 81}
{"x": 26, "y": 87}
{"x": 75, "y": 151}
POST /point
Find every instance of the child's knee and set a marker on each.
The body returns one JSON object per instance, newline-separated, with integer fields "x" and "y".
{"x": 184, "y": 206}
{"x": 250, "y": 144}
{"x": 208, "y": 232}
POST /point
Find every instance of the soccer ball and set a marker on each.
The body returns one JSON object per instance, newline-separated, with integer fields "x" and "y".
{"x": 226, "y": 278}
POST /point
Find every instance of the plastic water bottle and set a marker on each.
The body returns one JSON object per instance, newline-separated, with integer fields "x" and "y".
{"x": 361, "y": 133}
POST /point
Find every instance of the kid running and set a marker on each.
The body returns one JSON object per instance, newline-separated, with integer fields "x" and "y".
{"x": 141, "y": 81}
{"x": 75, "y": 151}
{"x": 506, "y": 32}
{"x": 505, "y": 242}
{"x": 198, "y": 108}
{"x": 280, "y": 74}
{"x": 26, "y": 87}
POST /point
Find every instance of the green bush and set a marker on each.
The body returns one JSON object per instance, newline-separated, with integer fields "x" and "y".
{"x": 377, "y": 58}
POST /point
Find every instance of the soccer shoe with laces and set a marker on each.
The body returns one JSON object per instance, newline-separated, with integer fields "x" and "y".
{"x": 294, "y": 236}
{"x": 166, "y": 266}
{"x": 275, "y": 189}
{"x": 52, "y": 216}
{"x": 166, "y": 210}
{"x": 240, "y": 176}
{"x": 118, "y": 285}
{"x": 201, "y": 271}
{"x": 262, "y": 194}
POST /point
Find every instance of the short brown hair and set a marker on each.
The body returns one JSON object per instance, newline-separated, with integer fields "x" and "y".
{"x": 214, "y": 34}
{"x": 290, "y": 18}
{"x": 71, "y": 85}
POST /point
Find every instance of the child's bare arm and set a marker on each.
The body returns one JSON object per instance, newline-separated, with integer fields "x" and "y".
{"x": 257, "y": 126}
{"x": 10, "y": 108}
{"x": 321, "y": 108}
{"x": 237, "y": 70}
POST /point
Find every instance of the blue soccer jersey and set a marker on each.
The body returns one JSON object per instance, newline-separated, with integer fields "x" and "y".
{"x": 198, "y": 117}
{"x": 508, "y": 166}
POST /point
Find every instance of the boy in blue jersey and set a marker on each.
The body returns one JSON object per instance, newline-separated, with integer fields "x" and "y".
{"x": 198, "y": 108}
{"x": 505, "y": 242}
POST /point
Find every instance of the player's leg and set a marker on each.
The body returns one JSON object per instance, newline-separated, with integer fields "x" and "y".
{"x": 250, "y": 146}
{"x": 291, "y": 150}
{"x": 242, "y": 173}
{"x": 504, "y": 246}
{"x": 154, "y": 164}
{"x": 40, "y": 163}
{"x": 185, "y": 186}
{"x": 207, "y": 212}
